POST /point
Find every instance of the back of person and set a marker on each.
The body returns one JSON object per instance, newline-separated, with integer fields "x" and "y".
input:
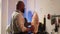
{"x": 14, "y": 25}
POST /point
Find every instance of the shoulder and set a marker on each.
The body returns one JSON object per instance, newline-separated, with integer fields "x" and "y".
{"x": 14, "y": 14}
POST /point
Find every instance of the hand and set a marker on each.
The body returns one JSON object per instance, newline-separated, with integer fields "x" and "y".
{"x": 32, "y": 28}
{"x": 28, "y": 29}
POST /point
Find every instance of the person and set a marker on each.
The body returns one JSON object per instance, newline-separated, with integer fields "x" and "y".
{"x": 18, "y": 20}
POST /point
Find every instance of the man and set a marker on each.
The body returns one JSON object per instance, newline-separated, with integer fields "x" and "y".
{"x": 18, "y": 20}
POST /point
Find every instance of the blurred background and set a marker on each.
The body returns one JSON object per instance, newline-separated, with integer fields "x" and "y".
{"x": 42, "y": 7}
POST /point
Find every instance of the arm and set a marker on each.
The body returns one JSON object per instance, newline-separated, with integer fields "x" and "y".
{"x": 21, "y": 21}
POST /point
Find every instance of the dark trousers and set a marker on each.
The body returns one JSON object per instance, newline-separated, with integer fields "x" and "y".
{"x": 21, "y": 33}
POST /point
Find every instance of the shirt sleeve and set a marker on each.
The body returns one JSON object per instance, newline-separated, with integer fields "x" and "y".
{"x": 35, "y": 22}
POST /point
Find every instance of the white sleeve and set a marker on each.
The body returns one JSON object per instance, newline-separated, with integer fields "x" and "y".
{"x": 35, "y": 22}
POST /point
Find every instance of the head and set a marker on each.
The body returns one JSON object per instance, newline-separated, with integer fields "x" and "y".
{"x": 20, "y": 6}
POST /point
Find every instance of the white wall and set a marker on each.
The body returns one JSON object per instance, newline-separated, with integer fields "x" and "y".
{"x": 0, "y": 16}
{"x": 4, "y": 16}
